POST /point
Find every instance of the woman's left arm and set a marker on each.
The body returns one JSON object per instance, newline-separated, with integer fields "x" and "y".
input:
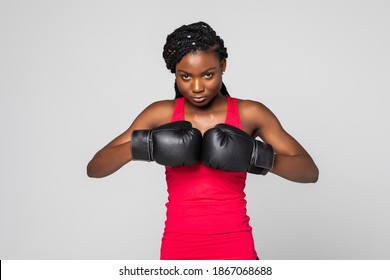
{"x": 292, "y": 161}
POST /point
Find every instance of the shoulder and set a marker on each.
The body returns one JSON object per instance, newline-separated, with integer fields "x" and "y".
{"x": 156, "y": 114}
{"x": 255, "y": 115}
{"x": 165, "y": 105}
{"x": 250, "y": 106}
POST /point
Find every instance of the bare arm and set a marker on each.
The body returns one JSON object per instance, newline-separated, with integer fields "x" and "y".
{"x": 292, "y": 161}
{"x": 117, "y": 153}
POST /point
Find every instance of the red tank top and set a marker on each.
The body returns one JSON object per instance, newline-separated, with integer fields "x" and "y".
{"x": 206, "y": 208}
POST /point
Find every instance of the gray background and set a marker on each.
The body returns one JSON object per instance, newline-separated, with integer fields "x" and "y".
{"x": 74, "y": 74}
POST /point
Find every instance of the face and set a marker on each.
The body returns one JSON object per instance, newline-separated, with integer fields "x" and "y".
{"x": 199, "y": 77}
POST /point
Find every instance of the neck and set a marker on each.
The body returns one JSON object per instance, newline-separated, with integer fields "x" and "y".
{"x": 208, "y": 116}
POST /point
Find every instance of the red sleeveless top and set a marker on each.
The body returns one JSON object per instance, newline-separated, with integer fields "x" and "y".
{"x": 206, "y": 208}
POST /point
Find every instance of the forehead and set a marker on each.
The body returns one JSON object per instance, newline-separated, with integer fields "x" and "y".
{"x": 198, "y": 60}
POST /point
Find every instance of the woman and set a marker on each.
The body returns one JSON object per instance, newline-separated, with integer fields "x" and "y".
{"x": 206, "y": 140}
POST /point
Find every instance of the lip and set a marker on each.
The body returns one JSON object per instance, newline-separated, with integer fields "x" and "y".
{"x": 199, "y": 99}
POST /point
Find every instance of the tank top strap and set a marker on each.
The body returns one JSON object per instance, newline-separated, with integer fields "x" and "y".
{"x": 178, "y": 112}
{"x": 233, "y": 115}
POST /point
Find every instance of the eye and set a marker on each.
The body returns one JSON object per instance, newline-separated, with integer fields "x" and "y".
{"x": 209, "y": 75}
{"x": 185, "y": 77}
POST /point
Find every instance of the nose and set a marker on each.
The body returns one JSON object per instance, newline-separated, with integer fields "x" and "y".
{"x": 197, "y": 86}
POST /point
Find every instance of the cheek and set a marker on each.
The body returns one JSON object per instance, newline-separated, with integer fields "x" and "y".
{"x": 218, "y": 83}
{"x": 183, "y": 87}
{"x": 214, "y": 85}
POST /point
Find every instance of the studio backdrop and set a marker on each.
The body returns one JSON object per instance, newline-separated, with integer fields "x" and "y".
{"x": 75, "y": 74}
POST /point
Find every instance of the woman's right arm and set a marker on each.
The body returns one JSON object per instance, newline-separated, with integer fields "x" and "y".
{"x": 117, "y": 153}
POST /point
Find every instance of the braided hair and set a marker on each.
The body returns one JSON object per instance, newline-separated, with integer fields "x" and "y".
{"x": 191, "y": 38}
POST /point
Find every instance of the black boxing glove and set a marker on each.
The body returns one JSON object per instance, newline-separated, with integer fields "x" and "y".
{"x": 228, "y": 148}
{"x": 172, "y": 144}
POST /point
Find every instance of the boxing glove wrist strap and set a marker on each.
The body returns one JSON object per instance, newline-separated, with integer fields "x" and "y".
{"x": 141, "y": 145}
{"x": 262, "y": 158}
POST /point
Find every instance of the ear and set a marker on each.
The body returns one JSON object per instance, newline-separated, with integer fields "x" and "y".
{"x": 222, "y": 64}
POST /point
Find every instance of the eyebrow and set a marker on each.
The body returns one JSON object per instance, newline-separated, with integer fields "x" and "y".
{"x": 208, "y": 69}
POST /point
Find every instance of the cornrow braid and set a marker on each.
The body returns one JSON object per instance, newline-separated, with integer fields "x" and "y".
{"x": 191, "y": 38}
